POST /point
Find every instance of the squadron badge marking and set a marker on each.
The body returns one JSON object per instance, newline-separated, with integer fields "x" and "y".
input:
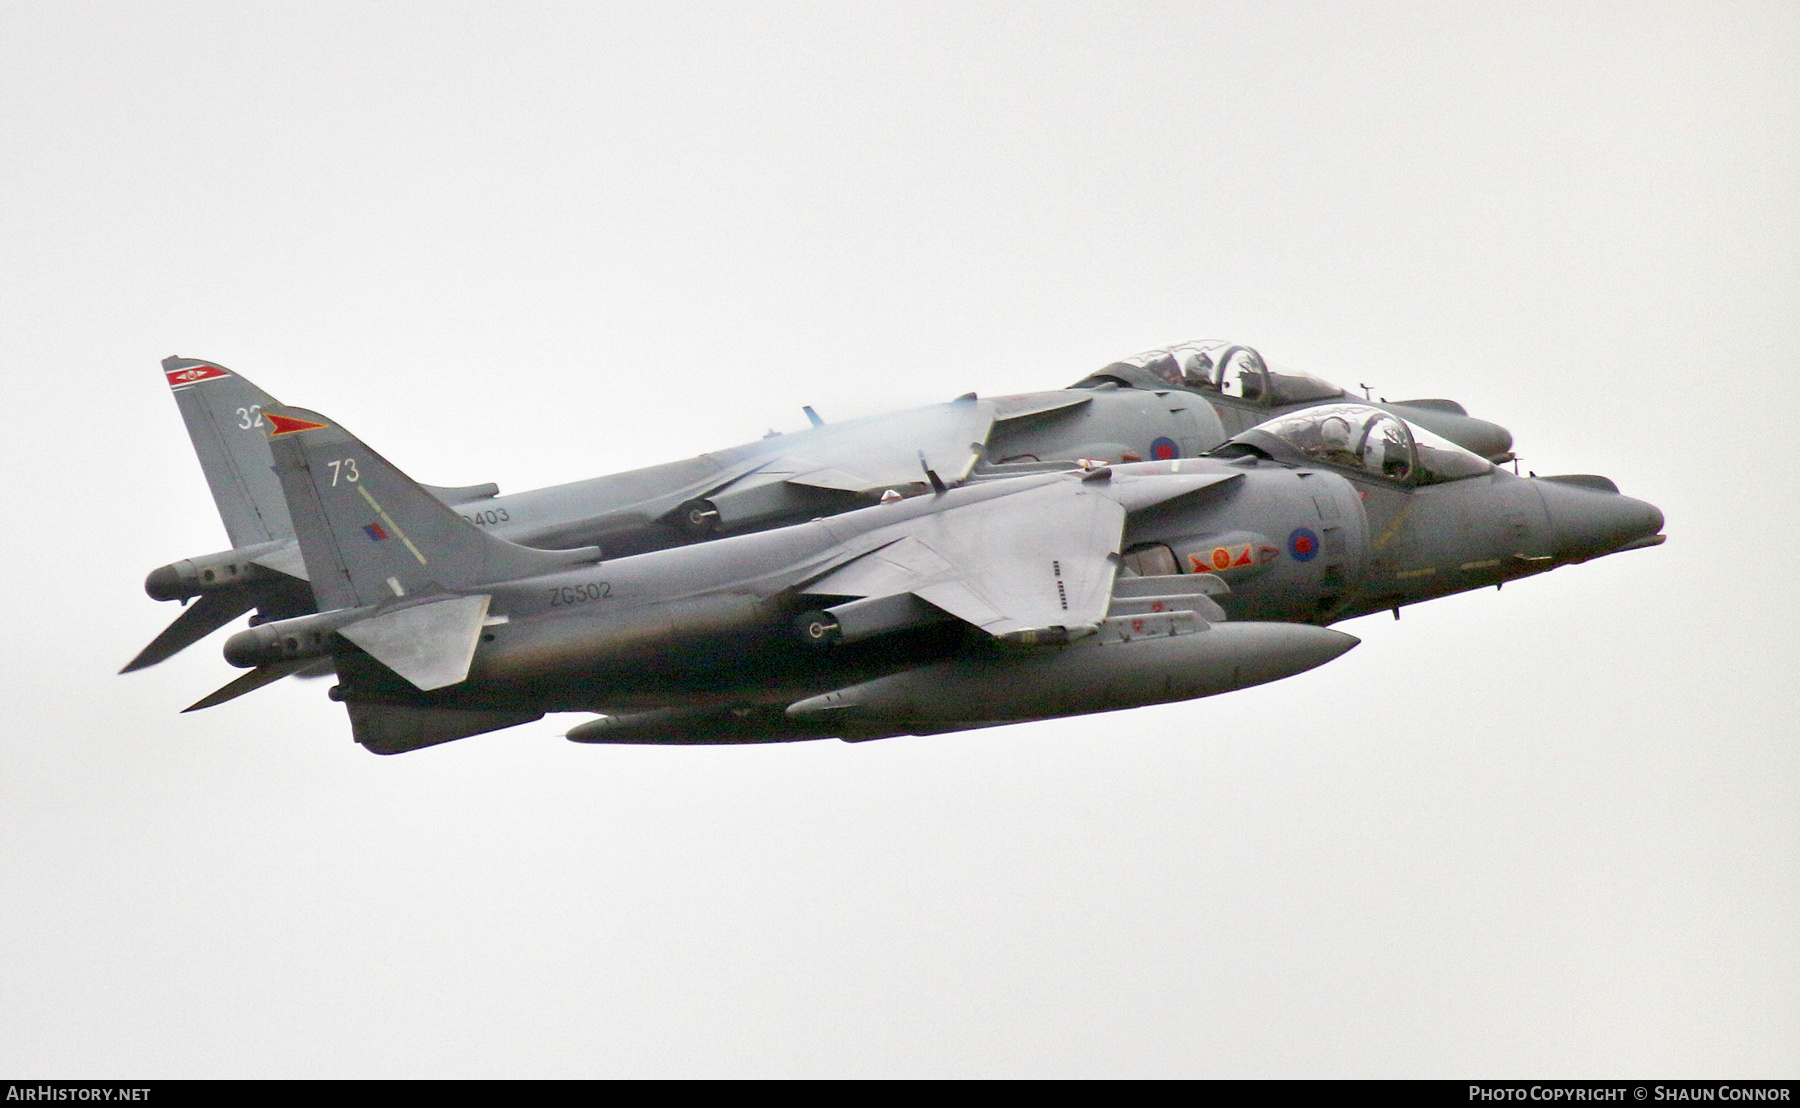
{"x": 193, "y": 374}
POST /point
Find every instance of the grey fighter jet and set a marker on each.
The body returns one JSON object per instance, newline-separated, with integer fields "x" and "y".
{"x": 1154, "y": 414}
{"x": 1013, "y": 596}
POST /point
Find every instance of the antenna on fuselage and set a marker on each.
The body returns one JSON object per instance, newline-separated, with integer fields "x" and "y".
{"x": 937, "y": 483}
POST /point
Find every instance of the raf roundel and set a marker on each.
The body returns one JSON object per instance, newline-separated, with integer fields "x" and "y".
{"x": 1164, "y": 449}
{"x": 1303, "y": 545}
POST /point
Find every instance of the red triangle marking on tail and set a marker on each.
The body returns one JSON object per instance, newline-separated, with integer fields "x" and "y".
{"x": 287, "y": 425}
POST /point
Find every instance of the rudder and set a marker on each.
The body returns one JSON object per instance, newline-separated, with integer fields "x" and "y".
{"x": 223, "y": 412}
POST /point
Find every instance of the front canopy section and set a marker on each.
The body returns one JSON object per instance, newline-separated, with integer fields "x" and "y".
{"x": 1361, "y": 438}
{"x": 1182, "y": 366}
{"x": 1215, "y": 365}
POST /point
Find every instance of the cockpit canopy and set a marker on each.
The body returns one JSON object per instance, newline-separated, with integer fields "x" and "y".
{"x": 1359, "y": 437}
{"x": 1230, "y": 369}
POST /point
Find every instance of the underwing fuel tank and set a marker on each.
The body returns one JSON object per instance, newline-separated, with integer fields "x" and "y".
{"x": 1007, "y": 686}
{"x": 698, "y": 727}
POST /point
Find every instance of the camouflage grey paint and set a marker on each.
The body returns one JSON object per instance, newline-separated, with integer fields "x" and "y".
{"x": 1033, "y": 616}
{"x": 224, "y": 420}
{"x": 1168, "y": 403}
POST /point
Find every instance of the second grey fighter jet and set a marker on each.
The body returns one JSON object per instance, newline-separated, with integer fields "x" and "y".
{"x": 1156, "y": 414}
{"x": 1008, "y": 598}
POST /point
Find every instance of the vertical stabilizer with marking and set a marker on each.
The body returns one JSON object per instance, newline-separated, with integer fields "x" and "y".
{"x": 223, "y": 413}
{"x": 370, "y": 534}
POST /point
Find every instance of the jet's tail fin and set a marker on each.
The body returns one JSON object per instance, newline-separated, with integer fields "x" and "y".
{"x": 223, "y": 412}
{"x": 371, "y": 534}
{"x": 224, "y": 416}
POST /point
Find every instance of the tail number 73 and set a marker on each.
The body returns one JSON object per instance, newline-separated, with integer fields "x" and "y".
{"x": 346, "y": 469}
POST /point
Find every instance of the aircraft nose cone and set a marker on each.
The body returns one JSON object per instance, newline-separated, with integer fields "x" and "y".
{"x": 1589, "y": 521}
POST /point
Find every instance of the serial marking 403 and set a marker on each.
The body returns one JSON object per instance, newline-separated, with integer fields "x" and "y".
{"x": 486, "y": 517}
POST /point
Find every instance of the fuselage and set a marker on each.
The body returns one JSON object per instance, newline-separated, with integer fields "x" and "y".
{"x": 710, "y": 623}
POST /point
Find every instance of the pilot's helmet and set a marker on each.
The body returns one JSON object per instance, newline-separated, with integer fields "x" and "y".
{"x": 1196, "y": 368}
{"x": 1162, "y": 363}
{"x": 1334, "y": 432}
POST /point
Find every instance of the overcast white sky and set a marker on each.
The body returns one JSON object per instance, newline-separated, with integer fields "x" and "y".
{"x": 1553, "y": 830}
